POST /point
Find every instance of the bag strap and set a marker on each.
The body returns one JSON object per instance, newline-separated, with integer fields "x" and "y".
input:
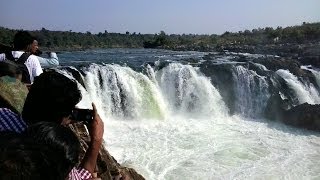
{"x": 22, "y": 59}
{"x": 9, "y": 56}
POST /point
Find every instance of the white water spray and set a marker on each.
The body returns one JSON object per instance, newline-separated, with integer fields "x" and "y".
{"x": 251, "y": 92}
{"x": 304, "y": 93}
{"x": 123, "y": 93}
{"x": 189, "y": 92}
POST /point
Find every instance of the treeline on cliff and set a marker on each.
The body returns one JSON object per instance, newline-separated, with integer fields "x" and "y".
{"x": 68, "y": 40}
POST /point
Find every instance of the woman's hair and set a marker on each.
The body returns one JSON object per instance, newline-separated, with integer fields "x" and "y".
{"x": 22, "y": 39}
{"x": 51, "y": 97}
{"x": 59, "y": 138}
{"x": 8, "y": 68}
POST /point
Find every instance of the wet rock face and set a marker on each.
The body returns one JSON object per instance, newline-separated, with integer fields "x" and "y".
{"x": 221, "y": 78}
{"x": 77, "y": 75}
{"x": 294, "y": 66}
{"x": 304, "y": 115}
{"x": 282, "y": 103}
{"x": 279, "y": 63}
{"x": 275, "y": 108}
{"x": 310, "y": 60}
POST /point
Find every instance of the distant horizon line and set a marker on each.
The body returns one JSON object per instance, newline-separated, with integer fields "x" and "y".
{"x": 26, "y": 29}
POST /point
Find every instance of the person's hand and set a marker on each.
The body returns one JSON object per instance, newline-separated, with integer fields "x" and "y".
{"x": 96, "y": 130}
{"x": 95, "y": 176}
{"x": 96, "y": 127}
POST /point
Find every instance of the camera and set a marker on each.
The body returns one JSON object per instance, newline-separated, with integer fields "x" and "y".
{"x": 84, "y": 115}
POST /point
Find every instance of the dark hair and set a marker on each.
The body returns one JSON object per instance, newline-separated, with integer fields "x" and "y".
{"x": 62, "y": 139}
{"x": 51, "y": 97}
{"x": 22, "y": 158}
{"x": 8, "y": 68}
{"x": 22, "y": 39}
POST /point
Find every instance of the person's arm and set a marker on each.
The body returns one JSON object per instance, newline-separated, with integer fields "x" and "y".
{"x": 37, "y": 70}
{"x": 51, "y": 61}
{"x": 2, "y": 57}
{"x": 96, "y": 130}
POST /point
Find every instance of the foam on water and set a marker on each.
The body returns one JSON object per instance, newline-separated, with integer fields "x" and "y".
{"x": 231, "y": 148}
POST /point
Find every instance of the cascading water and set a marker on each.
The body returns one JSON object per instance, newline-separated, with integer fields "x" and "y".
{"x": 251, "y": 92}
{"x": 179, "y": 127}
{"x": 304, "y": 93}
{"x": 189, "y": 92}
{"x": 121, "y": 92}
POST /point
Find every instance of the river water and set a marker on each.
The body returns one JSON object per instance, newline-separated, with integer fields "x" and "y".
{"x": 166, "y": 119}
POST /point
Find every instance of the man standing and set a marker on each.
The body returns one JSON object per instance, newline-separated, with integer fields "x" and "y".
{"x": 24, "y": 46}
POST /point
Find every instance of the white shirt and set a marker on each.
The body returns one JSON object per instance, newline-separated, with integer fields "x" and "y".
{"x": 32, "y": 63}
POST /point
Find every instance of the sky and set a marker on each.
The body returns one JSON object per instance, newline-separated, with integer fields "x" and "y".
{"x": 153, "y": 16}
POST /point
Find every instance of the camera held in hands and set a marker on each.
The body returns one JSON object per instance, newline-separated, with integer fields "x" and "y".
{"x": 84, "y": 115}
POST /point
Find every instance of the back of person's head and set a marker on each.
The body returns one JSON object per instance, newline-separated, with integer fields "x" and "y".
{"x": 22, "y": 39}
{"x": 22, "y": 158}
{"x": 60, "y": 139}
{"x": 13, "y": 94}
{"x": 10, "y": 94}
{"x": 8, "y": 68}
{"x": 51, "y": 97}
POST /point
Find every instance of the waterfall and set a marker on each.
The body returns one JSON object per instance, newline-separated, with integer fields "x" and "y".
{"x": 304, "y": 92}
{"x": 188, "y": 92}
{"x": 251, "y": 92}
{"x": 122, "y": 93}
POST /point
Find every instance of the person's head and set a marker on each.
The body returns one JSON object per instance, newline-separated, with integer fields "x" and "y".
{"x": 59, "y": 138}
{"x": 13, "y": 92}
{"x": 23, "y": 40}
{"x": 22, "y": 158}
{"x": 34, "y": 47}
{"x": 8, "y": 68}
{"x": 51, "y": 97}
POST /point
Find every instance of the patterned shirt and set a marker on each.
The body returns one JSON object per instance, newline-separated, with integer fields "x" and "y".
{"x": 10, "y": 121}
{"x": 79, "y": 174}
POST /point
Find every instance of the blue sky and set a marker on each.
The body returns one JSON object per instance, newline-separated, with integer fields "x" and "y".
{"x": 152, "y": 16}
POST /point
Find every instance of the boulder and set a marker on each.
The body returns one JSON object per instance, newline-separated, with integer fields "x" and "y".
{"x": 310, "y": 60}
{"x": 304, "y": 115}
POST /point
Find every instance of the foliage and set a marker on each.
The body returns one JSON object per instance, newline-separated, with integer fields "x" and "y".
{"x": 68, "y": 40}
